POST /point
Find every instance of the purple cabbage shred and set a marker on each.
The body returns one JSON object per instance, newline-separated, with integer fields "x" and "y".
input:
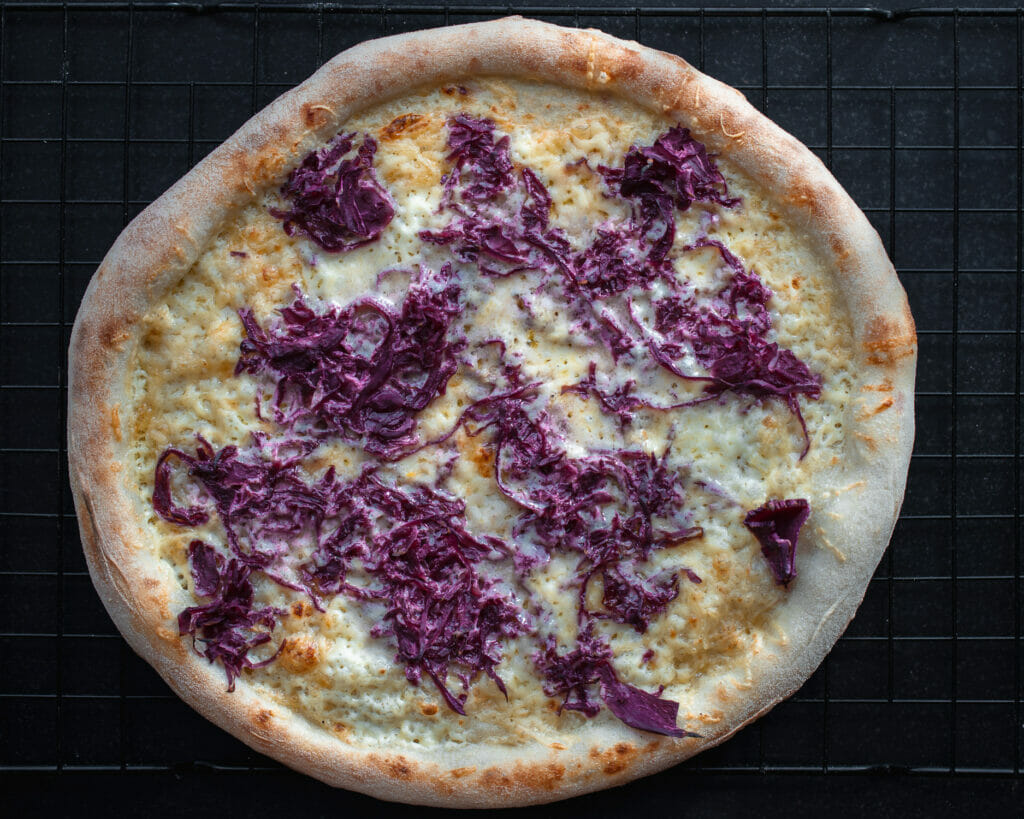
{"x": 620, "y": 402}
{"x": 261, "y": 500}
{"x": 634, "y": 600}
{"x": 573, "y": 674}
{"x": 473, "y": 148}
{"x": 439, "y": 609}
{"x": 500, "y": 240}
{"x": 229, "y": 627}
{"x": 601, "y": 507}
{"x": 776, "y": 525}
{"x": 423, "y": 565}
{"x": 729, "y": 338}
{"x": 673, "y": 173}
{"x": 615, "y": 262}
{"x": 335, "y": 201}
{"x": 362, "y": 372}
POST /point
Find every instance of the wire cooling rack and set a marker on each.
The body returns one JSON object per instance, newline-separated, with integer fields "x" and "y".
{"x": 919, "y": 115}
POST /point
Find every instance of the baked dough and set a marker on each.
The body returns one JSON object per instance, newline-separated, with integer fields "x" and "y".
{"x": 156, "y": 341}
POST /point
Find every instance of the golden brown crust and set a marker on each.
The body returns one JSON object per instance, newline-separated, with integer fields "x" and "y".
{"x": 158, "y": 248}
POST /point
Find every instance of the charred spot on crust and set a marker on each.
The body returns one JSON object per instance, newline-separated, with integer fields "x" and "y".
{"x": 801, "y": 192}
{"x": 545, "y": 776}
{"x": 576, "y": 64}
{"x": 887, "y": 341}
{"x": 112, "y": 334}
{"x": 399, "y": 768}
{"x": 115, "y": 422}
{"x": 626, "y": 65}
{"x": 314, "y": 115}
{"x": 615, "y": 759}
{"x": 839, "y": 246}
{"x": 882, "y": 406}
{"x": 868, "y": 441}
{"x": 262, "y": 166}
{"x": 495, "y": 778}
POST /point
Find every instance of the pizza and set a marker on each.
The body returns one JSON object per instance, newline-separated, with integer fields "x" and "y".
{"x": 506, "y": 412}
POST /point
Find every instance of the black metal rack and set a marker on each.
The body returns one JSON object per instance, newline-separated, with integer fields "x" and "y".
{"x": 919, "y": 114}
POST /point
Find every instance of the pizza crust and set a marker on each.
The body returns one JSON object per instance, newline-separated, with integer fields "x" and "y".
{"x": 160, "y": 246}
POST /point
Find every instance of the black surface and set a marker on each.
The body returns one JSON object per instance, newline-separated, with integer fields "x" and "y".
{"x": 917, "y": 711}
{"x": 710, "y": 796}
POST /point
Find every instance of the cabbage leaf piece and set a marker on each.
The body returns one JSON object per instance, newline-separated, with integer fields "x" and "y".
{"x": 776, "y": 525}
{"x": 572, "y": 675}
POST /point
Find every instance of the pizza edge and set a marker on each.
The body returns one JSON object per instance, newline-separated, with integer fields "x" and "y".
{"x": 162, "y": 243}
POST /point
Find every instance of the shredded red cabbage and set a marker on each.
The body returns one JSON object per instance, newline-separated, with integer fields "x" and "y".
{"x": 473, "y": 148}
{"x": 362, "y": 372}
{"x": 228, "y": 626}
{"x": 614, "y": 262}
{"x": 440, "y": 610}
{"x": 614, "y": 336}
{"x": 365, "y": 371}
{"x": 672, "y": 173}
{"x": 728, "y": 336}
{"x": 571, "y": 676}
{"x": 777, "y": 526}
{"x": 423, "y": 563}
{"x": 337, "y": 202}
{"x": 261, "y": 499}
{"x": 500, "y": 238}
{"x": 634, "y": 600}
{"x": 620, "y": 402}
{"x": 568, "y": 503}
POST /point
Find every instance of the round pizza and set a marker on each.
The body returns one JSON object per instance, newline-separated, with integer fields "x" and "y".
{"x": 506, "y": 412}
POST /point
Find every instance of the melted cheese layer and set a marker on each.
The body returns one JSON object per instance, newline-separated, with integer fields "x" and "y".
{"x": 733, "y": 453}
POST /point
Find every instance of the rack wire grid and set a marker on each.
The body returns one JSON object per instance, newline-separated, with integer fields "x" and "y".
{"x": 918, "y": 114}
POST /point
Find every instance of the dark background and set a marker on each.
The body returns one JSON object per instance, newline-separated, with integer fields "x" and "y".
{"x": 917, "y": 711}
